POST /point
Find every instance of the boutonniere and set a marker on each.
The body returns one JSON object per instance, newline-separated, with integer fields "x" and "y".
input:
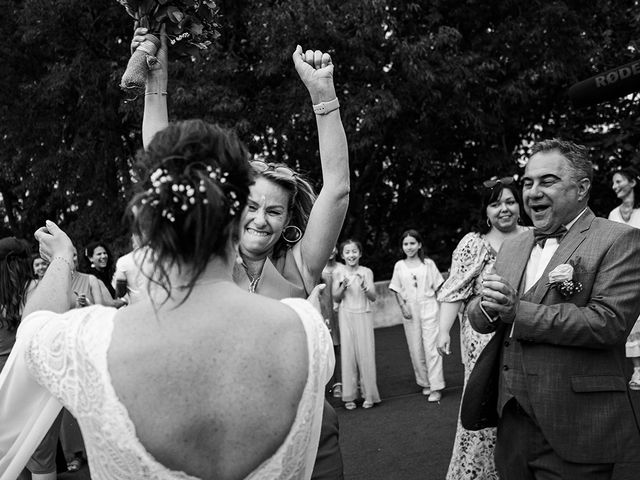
{"x": 561, "y": 278}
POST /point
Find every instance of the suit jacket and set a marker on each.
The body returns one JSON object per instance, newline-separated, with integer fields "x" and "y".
{"x": 572, "y": 350}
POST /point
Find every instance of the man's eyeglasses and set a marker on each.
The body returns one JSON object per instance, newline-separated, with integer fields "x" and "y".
{"x": 260, "y": 166}
{"x": 495, "y": 181}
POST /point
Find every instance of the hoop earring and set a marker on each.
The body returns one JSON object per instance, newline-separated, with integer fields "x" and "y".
{"x": 297, "y": 233}
{"x": 488, "y": 223}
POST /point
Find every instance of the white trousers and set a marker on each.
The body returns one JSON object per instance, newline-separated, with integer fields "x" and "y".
{"x": 422, "y": 338}
{"x": 358, "y": 356}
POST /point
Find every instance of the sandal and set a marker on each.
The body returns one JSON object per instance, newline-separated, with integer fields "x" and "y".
{"x": 337, "y": 390}
{"x": 74, "y": 465}
{"x": 350, "y": 405}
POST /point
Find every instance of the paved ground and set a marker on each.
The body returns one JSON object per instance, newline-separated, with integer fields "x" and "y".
{"x": 404, "y": 437}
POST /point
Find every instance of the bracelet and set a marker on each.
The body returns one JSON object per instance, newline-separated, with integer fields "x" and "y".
{"x": 71, "y": 268}
{"x": 323, "y": 108}
{"x": 154, "y": 93}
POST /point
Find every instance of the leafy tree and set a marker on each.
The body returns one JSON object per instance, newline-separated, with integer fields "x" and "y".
{"x": 436, "y": 97}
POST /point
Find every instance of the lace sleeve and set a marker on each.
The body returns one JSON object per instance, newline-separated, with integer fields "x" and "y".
{"x": 467, "y": 261}
{"x": 58, "y": 354}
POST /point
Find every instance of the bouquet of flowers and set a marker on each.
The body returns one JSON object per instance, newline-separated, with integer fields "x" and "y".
{"x": 190, "y": 27}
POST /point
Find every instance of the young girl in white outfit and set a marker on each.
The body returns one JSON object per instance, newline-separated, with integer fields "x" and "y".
{"x": 414, "y": 282}
{"x": 353, "y": 287}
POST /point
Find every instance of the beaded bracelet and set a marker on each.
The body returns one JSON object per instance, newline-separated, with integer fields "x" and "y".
{"x": 71, "y": 268}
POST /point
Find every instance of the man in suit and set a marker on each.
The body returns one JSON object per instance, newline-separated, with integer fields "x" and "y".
{"x": 563, "y": 407}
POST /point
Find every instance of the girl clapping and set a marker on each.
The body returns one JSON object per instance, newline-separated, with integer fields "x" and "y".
{"x": 353, "y": 287}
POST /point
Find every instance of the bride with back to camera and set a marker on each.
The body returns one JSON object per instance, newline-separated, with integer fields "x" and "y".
{"x": 286, "y": 232}
{"x": 188, "y": 384}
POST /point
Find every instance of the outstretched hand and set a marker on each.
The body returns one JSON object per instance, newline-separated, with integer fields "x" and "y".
{"x": 315, "y": 69}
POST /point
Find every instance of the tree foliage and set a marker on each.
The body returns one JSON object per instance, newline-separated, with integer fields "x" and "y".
{"x": 436, "y": 96}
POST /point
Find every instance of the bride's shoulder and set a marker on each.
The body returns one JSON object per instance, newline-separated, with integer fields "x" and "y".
{"x": 45, "y": 323}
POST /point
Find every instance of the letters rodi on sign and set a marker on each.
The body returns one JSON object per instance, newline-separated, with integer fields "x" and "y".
{"x": 621, "y": 73}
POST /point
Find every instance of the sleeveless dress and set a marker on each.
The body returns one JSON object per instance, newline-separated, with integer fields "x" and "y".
{"x": 357, "y": 340}
{"x": 61, "y": 359}
{"x": 280, "y": 279}
{"x": 472, "y": 456}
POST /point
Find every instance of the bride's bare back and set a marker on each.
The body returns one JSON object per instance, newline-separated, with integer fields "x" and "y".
{"x": 213, "y": 385}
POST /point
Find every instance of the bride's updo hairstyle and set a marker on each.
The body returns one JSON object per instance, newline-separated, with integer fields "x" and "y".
{"x": 195, "y": 180}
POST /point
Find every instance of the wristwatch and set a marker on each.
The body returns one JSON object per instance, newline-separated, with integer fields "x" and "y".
{"x": 323, "y": 108}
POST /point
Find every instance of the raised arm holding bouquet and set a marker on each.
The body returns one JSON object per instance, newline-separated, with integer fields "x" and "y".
{"x": 190, "y": 26}
{"x": 286, "y": 233}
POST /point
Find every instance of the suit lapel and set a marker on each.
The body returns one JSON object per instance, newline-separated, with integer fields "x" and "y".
{"x": 567, "y": 247}
{"x": 516, "y": 259}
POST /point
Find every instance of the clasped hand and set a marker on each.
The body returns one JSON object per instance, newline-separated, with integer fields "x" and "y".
{"x": 499, "y": 298}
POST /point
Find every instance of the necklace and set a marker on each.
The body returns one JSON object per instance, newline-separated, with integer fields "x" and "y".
{"x": 253, "y": 282}
{"x": 253, "y": 278}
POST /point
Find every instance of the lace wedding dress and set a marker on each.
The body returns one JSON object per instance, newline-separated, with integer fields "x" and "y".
{"x": 61, "y": 360}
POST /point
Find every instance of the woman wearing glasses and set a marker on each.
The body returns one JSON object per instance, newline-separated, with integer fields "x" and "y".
{"x": 472, "y": 455}
{"x": 286, "y": 233}
{"x": 414, "y": 282}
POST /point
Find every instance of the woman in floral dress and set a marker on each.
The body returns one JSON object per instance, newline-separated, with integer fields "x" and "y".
{"x": 472, "y": 456}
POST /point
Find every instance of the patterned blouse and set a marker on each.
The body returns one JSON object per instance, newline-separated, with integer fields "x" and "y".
{"x": 470, "y": 259}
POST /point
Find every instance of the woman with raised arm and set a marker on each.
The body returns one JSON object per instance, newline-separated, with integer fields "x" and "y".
{"x": 188, "y": 384}
{"x": 287, "y": 233}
